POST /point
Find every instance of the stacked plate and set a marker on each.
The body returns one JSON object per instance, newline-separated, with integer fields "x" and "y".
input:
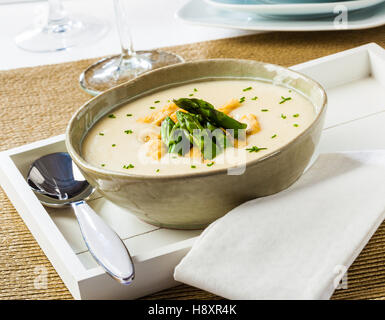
{"x": 285, "y": 15}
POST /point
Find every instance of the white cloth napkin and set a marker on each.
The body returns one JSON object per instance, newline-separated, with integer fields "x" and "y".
{"x": 295, "y": 244}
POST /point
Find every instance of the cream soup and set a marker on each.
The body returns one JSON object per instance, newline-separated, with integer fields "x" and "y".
{"x": 128, "y": 139}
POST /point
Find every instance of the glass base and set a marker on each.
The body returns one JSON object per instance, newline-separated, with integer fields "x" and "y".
{"x": 61, "y": 35}
{"x": 112, "y": 71}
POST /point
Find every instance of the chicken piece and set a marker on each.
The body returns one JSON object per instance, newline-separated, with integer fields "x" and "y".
{"x": 230, "y": 106}
{"x": 157, "y": 117}
{"x": 252, "y": 122}
{"x": 155, "y": 149}
{"x": 173, "y": 117}
{"x": 148, "y": 134}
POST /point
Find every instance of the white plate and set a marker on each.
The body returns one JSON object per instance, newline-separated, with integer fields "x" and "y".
{"x": 261, "y": 7}
{"x": 199, "y": 12}
{"x": 355, "y": 84}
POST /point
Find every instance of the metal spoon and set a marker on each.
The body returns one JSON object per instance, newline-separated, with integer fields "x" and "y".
{"x": 61, "y": 183}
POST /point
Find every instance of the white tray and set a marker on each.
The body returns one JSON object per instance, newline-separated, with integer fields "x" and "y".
{"x": 198, "y": 12}
{"x": 355, "y": 83}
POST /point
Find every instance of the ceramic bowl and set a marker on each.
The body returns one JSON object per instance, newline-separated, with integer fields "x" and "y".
{"x": 194, "y": 200}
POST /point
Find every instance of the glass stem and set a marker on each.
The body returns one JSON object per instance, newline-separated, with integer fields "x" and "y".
{"x": 122, "y": 17}
{"x": 56, "y": 12}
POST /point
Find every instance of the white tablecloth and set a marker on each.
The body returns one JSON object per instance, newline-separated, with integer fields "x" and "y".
{"x": 153, "y": 21}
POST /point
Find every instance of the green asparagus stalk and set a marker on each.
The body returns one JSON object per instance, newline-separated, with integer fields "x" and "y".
{"x": 219, "y": 137}
{"x": 199, "y": 135}
{"x": 166, "y": 129}
{"x": 210, "y": 126}
{"x": 180, "y": 140}
{"x": 212, "y": 115}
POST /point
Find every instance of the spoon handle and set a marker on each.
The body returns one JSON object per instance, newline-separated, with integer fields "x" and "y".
{"x": 104, "y": 244}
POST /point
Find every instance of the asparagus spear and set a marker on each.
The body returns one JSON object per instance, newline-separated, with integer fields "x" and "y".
{"x": 166, "y": 129}
{"x": 199, "y": 135}
{"x": 179, "y": 141}
{"x": 219, "y": 137}
{"x": 207, "y": 110}
{"x": 210, "y": 126}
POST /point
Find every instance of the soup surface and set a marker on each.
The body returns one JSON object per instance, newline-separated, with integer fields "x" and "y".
{"x": 129, "y": 139}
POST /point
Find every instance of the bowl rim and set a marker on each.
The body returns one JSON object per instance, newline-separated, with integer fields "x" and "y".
{"x": 83, "y": 164}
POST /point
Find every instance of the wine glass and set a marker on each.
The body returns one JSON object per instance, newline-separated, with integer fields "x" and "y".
{"x": 60, "y": 31}
{"x": 112, "y": 71}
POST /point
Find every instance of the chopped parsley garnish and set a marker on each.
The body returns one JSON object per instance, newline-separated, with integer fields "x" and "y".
{"x": 289, "y": 91}
{"x": 296, "y": 125}
{"x": 255, "y": 149}
{"x": 114, "y": 145}
{"x": 193, "y": 167}
{"x": 210, "y": 164}
{"x": 254, "y": 98}
{"x": 273, "y": 136}
{"x": 157, "y": 170}
{"x": 283, "y": 116}
{"x": 296, "y": 115}
{"x": 152, "y": 107}
{"x": 128, "y": 131}
{"x": 247, "y": 89}
{"x": 128, "y": 166}
{"x": 112, "y": 116}
{"x": 191, "y": 94}
{"x": 103, "y": 165}
{"x": 128, "y": 115}
{"x": 101, "y": 134}
{"x": 195, "y": 90}
{"x": 284, "y": 99}
{"x": 157, "y": 101}
{"x": 265, "y": 110}
{"x": 242, "y": 99}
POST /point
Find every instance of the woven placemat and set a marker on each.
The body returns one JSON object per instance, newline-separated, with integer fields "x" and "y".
{"x": 36, "y": 103}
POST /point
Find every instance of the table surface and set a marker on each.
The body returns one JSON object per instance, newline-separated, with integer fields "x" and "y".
{"x": 153, "y": 25}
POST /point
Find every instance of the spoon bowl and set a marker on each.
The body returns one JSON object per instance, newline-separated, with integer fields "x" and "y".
{"x": 58, "y": 181}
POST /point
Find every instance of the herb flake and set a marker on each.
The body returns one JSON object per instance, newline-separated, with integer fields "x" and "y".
{"x": 248, "y": 88}
{"x": 284, "y": 99}
{"x": 129, "y": 166}
{"x": 255, "y": 149}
